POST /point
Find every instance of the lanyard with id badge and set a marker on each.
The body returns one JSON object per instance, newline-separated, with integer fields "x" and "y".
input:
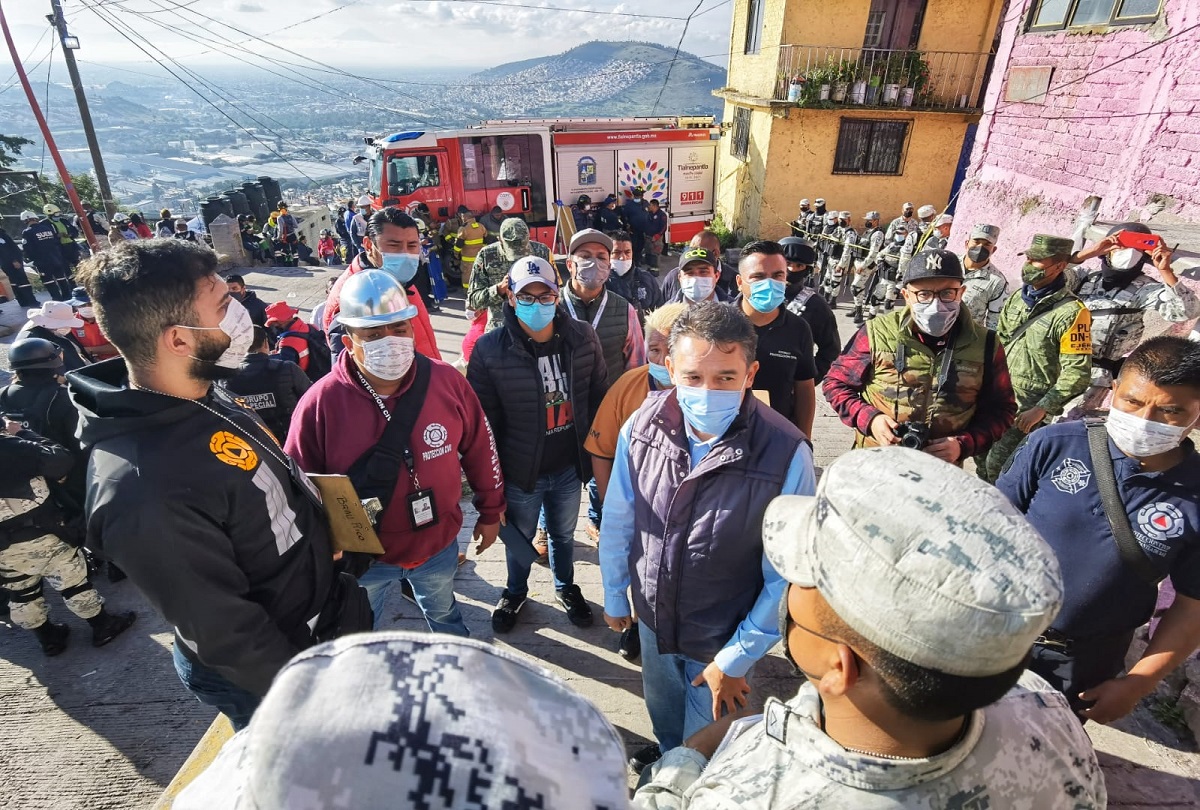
{"x": 421, "y": 507}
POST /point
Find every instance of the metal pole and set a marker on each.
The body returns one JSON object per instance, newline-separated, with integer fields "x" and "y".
{"x": 37, "y": 113}
{"x": 60, "y": 26}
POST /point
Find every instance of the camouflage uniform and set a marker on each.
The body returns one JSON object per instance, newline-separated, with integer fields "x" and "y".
{"x": 984, "y": 293}
{"x": 491, "y": 268}
{"x": 866, "y": 255}
{"x": 1118, "y": 323}
{"x": 1050, "y": 362}
{"x": 910, "y": 224}
{"x": 782, "y": 758}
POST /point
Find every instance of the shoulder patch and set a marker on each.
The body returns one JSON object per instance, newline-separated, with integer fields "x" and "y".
{"x": 233, "y": 450}
{"x": 1078, "y": 339}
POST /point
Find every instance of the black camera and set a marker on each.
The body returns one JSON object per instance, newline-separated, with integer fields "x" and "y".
{"x": 914, "y": 435}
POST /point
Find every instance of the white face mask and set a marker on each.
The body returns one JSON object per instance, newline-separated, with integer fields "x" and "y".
{"x": 389, "y": 358}
{"x": 63, "y": 332}
{"x": 238, "y": 327}
{"x": 1125, "y": 258}
{"x": 1142, "y": 438}
{"x": 935, "y": 318}
{"x": 697, "y": 288}
{"x": 622, "y": 266}
{"x": 86, "y": 312}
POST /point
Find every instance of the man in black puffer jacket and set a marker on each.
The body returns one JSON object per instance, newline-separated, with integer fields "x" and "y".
{"x": 540, "y": 380}
{"x": 271, "y": 387}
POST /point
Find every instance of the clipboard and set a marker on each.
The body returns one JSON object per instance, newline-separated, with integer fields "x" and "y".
{"x": 349, "y": 526}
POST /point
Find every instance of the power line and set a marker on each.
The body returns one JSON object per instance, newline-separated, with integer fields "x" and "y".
{"x": 671, "y": 66}
{"x": 9, "y": 83}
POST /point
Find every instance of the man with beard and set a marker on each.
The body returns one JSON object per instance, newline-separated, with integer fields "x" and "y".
{"x": 489, "y": 281}
{"x": 188, "y": 493}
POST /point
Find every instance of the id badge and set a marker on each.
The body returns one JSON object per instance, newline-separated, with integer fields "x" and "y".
{"x": 421, "y": 509}
{"x": 310, "y": 489}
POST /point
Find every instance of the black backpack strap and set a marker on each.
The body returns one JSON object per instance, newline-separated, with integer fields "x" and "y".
{"x": 1114, "y": 509}
{"x": 375, "y": 473}
{"x": 1023, "y": 328}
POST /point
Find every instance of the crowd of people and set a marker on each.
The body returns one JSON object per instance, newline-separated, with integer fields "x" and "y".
{"x": 950, "y": 632}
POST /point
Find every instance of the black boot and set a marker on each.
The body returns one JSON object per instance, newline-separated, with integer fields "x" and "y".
{"x": 52, "y": 637}
{"x": 107, "y": 626}
{"x": 858, "y": 316}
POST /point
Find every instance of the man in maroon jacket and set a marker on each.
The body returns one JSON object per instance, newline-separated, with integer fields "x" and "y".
{"x": 345, "y": 414}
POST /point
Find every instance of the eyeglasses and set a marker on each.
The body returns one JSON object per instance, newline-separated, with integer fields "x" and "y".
{"x": 945, "y": 296}
{"x": 544, "y": 298}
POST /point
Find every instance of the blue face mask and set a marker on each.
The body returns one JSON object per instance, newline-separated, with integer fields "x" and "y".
{"x": 766, "y": 294}
{"x": 708, "y": 410}
{"x": 401, "y": 266}
{"x": 536, "y": 316}
{"x": 661, "y": 375}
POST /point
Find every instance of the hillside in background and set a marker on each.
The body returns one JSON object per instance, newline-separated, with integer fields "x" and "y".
{"x": 601, "y": 78}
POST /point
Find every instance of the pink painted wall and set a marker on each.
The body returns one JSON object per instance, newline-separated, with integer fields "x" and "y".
{"x": 1129, "y": 134}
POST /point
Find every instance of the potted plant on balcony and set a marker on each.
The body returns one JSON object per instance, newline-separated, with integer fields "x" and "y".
{"x": 818, "y": 82}
{"x": 914, "y": 79}
{"x": 843, "y": 72}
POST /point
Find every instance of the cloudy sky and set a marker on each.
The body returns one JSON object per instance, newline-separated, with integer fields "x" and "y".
{"x": 383, "y": 33}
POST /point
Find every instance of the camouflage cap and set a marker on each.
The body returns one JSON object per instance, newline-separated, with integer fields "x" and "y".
{"x": 933, "y": 264}
{"x": 1045, "y": 246}
{"x": 514, "y": 230}
{"x": 921, "y": 558}
{"x": 984, "y": 231}
{"x": 402, "y": 719}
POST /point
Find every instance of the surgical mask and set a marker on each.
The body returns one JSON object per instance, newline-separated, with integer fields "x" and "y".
{"x": 591, "y": 273}
{"x": 400, "y": 266}
{"x": 1031, "y": 273}
{"x": 697, "y": 288}
{"x": 660, "y": 375}
{"x": 979, "y": 254}
{"x": 935, "y": 318}
{"x": 238, "y": 327}
{"x": 709, "y": 410}
{"x": 388, "y": 358}
{"x": 63, "y": 332}
{"x": 86, "y": 312}
{"x": 534, "y": 315}
{"x": 898, "y": 238}
{"x": 1125, "y": 258}
{"x": 622, "y": 266}
{"x": 766, "y": 294}
{"x": 1142, "y": 438}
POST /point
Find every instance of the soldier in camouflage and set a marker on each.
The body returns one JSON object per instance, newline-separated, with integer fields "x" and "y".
{"x": 887, "y": 285}
{"x": 914, "y": 690}
{"x": 915, "y": 239}
{"x": 984, "y": 295}
{"x": 906, "y": 219}
{"x": 489, "y": 279}
{"x": 31, "y": 552}
{"x": 1046, "y": 333}
{"x": 832, "y": 246}
{"x": 865, "y": 255}
{"x": 1119, "y": 295}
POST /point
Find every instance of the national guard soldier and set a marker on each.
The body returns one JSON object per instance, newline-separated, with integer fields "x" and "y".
{"x": 489, "y": 283}
{"x": 1046, "y": 333}
{"x": 815, "y": 221}
{"x": 913, "y": 690}
{"x": 799, "y": 225}
{"x": 940, "y": 238}
{"x": 1119, "y": 295}
{"x": 866, "y": 257}
{"x": 915, "y": 240}
{"x": 986, "y": 286}
{"x": 829, "y": 250}
{"x": 848, "y": 241}
{"x": 889, "y": 271}
{"x": 906, "y": 219}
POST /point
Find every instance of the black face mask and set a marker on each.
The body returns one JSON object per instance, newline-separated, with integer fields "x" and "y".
{"x": 820, "y": 209}
{"x": 796, "y": 276}
{"x": 979, "y": 254}
{"x": 1112, "y": 278}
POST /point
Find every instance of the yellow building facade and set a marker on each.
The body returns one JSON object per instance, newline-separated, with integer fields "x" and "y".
{"x": 865, "y": 103}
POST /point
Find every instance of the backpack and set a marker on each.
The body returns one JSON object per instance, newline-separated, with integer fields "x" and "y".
{"x": 320, "y": 362}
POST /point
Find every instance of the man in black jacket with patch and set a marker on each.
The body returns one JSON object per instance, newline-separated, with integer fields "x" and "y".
{"x": 186, "y": 490}
{"x": 270, "y": 386}
{"x": 540, "y": 380}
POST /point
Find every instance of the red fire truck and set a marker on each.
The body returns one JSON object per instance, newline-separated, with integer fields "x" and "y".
{"x": 525, "y": 166}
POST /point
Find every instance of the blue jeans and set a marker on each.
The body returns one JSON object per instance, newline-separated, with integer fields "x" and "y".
{"x": 560, "y": 494}
{"x": 213, "y": 689}
{"x": 433, "y": 586}
{"x": 677, "y": 709}
{"x": 594, "y": 506}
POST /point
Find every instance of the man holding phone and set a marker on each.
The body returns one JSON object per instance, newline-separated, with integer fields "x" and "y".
{"x": 1118, "y": 295}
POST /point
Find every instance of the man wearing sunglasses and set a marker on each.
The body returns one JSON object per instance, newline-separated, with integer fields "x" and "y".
{"x": 926, "y": 376}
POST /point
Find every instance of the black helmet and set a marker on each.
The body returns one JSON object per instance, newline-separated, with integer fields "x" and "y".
{"x": 798, "y": 251}
{"x": 34, "y": 353}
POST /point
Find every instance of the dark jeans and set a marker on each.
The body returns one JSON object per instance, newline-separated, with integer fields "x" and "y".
{"x": 213, "y": 689}
{"x": 1086, "y": 664}
{"x": 560, "y": 493}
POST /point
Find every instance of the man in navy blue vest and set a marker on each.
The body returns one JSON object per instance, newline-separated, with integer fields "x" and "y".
{"x": 694, "y": 471}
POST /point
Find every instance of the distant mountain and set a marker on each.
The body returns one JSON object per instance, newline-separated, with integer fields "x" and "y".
{"x": 599, "y": 78}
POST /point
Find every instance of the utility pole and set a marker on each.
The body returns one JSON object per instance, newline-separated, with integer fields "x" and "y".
{"x": 49, "y": 139}
{"x": 69, "y": 45}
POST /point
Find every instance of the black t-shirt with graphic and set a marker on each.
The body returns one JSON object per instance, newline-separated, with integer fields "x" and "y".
{"x": 560, "y": 446}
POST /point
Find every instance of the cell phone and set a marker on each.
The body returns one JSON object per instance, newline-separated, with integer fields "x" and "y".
{"x": 1145, "y": 242}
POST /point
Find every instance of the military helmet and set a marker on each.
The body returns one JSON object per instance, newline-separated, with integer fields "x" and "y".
{"x": 34, "y": 353}
{"x": 373, "y": 298}
{"x": 797, "y": 250}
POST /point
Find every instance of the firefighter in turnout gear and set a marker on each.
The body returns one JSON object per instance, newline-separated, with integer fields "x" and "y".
{"x": 866, "y": 266}
{"x": 67, "y": 234}
{"x": 468, "y": 243}
{"x": 1046, "y": 333}
{"x": 1119, "y": 295}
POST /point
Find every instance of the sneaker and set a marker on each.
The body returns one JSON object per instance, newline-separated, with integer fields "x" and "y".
{"x": 541, "y": 544}
{"x": 593, "y": 532}
{"x": 645, "y": 757}
{"x": 578, "y": 610}
{"x": 630, "y": 647}
{"x": 504, "y": 617}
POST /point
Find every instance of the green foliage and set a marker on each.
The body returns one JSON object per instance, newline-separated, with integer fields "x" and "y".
{"x": 728, "y": 237}
{"x": 17, "y": 191}
{"x": 85, "y": 187}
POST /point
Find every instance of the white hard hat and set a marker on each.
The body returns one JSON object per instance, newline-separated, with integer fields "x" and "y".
{"x": 364, "y": 200}
{"x": 926, "y": 211}
{"x": 27, "y": 214}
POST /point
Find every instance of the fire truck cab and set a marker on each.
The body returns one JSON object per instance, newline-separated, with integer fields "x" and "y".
{"x": 524, "y": 166}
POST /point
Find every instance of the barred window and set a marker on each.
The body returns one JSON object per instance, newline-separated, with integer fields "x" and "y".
{"x": 740, "y": 147}
{"x": 870, "y": 146}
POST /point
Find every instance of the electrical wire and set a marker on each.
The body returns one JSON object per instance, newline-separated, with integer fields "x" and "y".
{"x": 674, "y": 58}
{"x": 10, "y": 82}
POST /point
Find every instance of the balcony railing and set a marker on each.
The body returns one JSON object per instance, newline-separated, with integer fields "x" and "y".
{"x": 823, "y": 76}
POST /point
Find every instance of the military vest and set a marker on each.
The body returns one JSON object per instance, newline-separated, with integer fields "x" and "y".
{"x": 911, "y": 384}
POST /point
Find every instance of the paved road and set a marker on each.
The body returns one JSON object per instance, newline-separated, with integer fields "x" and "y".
{"x": 108, "y": 728}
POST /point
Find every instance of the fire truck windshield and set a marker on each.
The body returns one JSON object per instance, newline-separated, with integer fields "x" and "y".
{"x": 407, "y": 173}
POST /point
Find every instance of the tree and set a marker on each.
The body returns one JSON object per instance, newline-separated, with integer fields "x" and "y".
{"x": 18, "y": 190}
{"x": 85, "y": 187}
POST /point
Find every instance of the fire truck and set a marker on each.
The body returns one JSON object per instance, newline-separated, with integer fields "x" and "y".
{"x": 537, "y": 167}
